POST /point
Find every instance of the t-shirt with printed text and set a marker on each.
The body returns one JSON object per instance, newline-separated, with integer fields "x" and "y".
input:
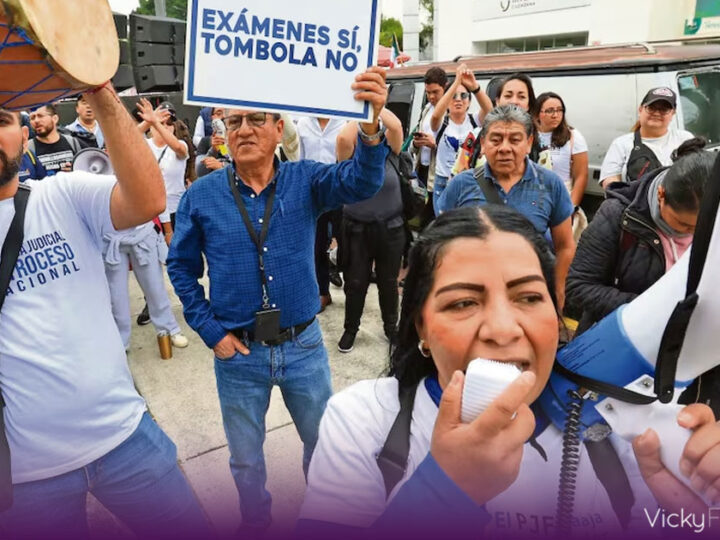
{"x": 64, "y": 376}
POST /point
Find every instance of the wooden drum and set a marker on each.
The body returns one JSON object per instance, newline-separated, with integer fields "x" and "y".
{"x": 51, "y": 49}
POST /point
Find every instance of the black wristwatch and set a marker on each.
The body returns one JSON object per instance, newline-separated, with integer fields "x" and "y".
{"x": 476, "y": 90}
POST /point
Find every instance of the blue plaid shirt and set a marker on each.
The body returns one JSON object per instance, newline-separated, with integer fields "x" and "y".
{"x": 208, "y": 223}
{"x": 540, "y": 195}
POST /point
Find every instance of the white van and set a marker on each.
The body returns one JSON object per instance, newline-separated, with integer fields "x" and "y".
{"x": 602, "y": 88}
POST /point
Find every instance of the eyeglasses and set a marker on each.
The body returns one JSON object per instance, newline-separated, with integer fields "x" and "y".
{"x": 553, "y": 112}
{"x": 461, "y": 95}
{"x": 659, "y": 109}
{"x": 256, "y": 119}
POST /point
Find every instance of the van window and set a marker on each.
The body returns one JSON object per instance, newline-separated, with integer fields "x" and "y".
{"x": 700, "y": 101}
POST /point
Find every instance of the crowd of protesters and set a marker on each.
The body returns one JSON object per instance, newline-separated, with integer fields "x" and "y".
{"x": 256, "y": 200}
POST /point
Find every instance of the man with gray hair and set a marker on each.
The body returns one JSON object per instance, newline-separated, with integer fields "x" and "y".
{"x": 253, "y": 223}
{"x": 509, "y": 177}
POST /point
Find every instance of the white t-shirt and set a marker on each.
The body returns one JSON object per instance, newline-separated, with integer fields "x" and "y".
{"x": 617, "y": 156}
{"x": 319, "y": 144}
{"x": 425, "y": 152}
{"x": 561, "y": 159}
{"x": 346, "y": 486}
{"x": 173, "y": 171}
{"x": 63, "y": 370}
{"x": 448, "y": 145}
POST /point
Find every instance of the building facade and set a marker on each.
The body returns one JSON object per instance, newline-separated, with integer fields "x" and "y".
{"x": 497, "y": 26}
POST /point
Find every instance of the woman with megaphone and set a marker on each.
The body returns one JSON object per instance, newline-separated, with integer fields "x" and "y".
{"x": 394, "y": 457}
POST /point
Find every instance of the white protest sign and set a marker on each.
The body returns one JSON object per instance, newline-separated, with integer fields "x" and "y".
{"x": 280, "y": 55}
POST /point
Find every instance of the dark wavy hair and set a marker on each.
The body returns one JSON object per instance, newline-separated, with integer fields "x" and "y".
{"x": 685, "y": 180}
{"x": 561, "y": 134}
{"x": 406, "y": 362}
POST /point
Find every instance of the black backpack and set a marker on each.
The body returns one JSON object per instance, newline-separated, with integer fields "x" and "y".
{"x": 413, "y": 202}
{"x": 642, "y": 160}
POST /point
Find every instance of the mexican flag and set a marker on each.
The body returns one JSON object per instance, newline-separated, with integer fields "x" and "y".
{"x": 395, "y": 50}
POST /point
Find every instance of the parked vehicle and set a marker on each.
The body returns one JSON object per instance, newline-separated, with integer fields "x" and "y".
{"x": 602, "y": 86}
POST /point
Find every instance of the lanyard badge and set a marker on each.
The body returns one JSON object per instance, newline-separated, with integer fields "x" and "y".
{"x": 267, "y": 320}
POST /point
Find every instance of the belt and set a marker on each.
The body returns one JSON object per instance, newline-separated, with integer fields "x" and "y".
{"x": 285, "y": 334}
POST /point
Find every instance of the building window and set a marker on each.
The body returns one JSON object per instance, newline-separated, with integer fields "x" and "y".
{"x": 536, "y": 43}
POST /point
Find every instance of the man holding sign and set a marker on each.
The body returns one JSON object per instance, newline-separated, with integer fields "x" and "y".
{"x": 254, "y": 222}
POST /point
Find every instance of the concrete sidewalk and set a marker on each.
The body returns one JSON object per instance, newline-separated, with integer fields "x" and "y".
{"x": 182, "y": 396}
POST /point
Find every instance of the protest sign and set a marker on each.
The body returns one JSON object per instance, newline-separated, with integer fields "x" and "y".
{"x": 281, "y": 56}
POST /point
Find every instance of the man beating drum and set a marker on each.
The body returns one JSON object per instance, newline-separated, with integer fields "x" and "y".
{"x": 72, "y": 417}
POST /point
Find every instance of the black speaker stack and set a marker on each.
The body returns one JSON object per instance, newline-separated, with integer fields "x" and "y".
{"x": 158, "y": 51}
{"x": 152, "y": 53}
{"x": 123, "y": 79}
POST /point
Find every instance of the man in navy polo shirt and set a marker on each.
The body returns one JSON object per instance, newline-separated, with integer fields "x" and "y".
{"x": 254, "y": 222}
{"x": 535, "y": 192}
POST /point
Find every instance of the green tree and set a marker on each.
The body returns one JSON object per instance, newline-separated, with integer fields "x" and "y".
{"x": 388, "y": 27}
{"x": 426, "y": 32}
{"x": 177, "y": 9}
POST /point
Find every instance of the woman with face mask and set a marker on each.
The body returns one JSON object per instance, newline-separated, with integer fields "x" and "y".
{"x": 638, "y": 233}
{"x": 479, "y": 286}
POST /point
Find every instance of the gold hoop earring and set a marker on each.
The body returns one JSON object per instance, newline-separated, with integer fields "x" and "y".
{"x": 423, "y": 351}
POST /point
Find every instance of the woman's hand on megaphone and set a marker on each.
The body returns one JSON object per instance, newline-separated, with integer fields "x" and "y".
{"x": 700, "y": 462}
{"x": 483, "y": 457}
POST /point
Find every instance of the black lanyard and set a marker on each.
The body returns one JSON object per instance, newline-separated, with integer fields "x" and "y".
{"x": 257, "y": 240}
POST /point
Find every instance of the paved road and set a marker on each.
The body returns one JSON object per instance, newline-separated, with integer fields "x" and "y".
{"x": 182, "y": 396}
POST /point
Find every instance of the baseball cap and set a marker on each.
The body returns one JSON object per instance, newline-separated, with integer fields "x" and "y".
{"x": 662, "y": 93}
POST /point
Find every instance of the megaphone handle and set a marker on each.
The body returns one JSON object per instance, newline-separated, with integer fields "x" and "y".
{"x": 630, "y": 421}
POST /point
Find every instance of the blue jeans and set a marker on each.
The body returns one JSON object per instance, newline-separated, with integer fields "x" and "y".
{"x": 300, "y": 368}
{"x": 438, "y": 187}
{"x": 139, "y": 481}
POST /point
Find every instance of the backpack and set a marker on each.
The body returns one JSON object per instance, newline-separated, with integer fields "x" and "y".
{"x": 446, "y": 123}
{"x": 72, "y": 141}
{"x": 413, "y": 201}
{"x": 641, "y": 160}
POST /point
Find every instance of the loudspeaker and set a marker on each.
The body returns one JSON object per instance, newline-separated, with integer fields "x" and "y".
{"x": 93, "y": 161}
{"x": 155, "y": 54}
{"x": 121, "y": 25}
{"x": 125, "y": 56}
{"x": 123, "y": 78}
{"x": 159, "y": 78}
{"x": 156, "y": 29}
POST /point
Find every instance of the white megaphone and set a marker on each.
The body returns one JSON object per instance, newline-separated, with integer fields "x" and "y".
{"x": 93, "y": 161}
{"x": 219, "y": 129}
{"x": 633, "y": 364}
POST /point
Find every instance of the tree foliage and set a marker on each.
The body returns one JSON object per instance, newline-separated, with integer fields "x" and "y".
{"x": 426, "y": 32}
{"x": 177, "y": 9}
{"x": 388, "y": 27}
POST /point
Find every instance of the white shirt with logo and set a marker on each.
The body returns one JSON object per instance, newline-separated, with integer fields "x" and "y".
{"x": 562, "y": 157}
{"x": 64, "y": 376}
{"x": 618, "y": 154}
{"x": 345, "y": 485}
{"x": 449, "y": 144}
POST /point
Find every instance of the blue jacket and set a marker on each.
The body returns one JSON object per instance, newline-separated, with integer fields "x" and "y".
{"x": 31, "y": 168}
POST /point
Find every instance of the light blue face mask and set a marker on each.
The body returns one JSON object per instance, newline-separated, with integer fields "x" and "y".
{"x": 654, "y": 202}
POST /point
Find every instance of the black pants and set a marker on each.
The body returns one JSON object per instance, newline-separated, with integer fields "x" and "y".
{"x": 365, "y": 244}
{"x": 322, "y": 243}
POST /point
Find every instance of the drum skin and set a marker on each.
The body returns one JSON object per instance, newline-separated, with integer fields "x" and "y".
{"x": 56, "y": 48}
